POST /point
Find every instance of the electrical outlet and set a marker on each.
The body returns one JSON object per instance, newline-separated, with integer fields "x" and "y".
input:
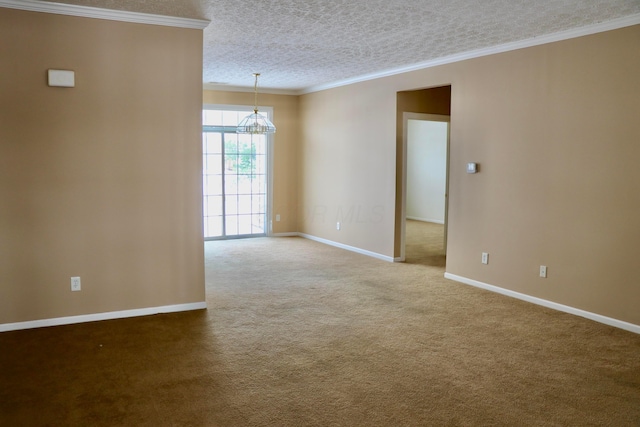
{"x": 543, "y": 271}
{"x": 277, "y": 217}
{"x": 75, "y": 284}
{"x": 337, "y": 225}
{"x": 485, "y": 258}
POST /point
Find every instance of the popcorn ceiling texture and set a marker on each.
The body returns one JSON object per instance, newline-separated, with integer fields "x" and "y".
{"x": 297, "y": 44}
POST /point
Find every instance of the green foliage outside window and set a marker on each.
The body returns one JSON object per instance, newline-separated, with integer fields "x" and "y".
{"x": 240, "y": 156}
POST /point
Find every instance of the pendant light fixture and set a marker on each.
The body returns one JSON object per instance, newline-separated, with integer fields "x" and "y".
{"x": 255, "y": 123}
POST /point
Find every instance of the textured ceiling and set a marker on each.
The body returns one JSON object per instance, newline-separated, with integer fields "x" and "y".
{"x": 298, "y": 44}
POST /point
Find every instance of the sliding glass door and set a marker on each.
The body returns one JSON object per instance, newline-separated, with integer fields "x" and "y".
{"x": 234, "y": 179}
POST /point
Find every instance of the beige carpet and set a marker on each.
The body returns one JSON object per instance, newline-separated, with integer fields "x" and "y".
{"x": 424, "y": 244}
{"x": 302, "y": 334}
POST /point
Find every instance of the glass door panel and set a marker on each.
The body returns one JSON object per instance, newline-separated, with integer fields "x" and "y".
{"x": 234, "y": 178}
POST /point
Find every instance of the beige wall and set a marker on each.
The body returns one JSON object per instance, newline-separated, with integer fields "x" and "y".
{"x": 347, "y": 165}
{"x": 285, "y": 150}
{"x": 103, "y": 180}
{"x": 555, "y": 129}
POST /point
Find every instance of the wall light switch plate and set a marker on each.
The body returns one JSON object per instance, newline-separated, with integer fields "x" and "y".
{"x": 472, "y": 167}
{"x": 62, "y": 78}
{"x": 543, "y": 271}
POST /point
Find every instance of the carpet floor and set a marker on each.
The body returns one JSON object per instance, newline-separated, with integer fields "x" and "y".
{"x": 302, "y": 334}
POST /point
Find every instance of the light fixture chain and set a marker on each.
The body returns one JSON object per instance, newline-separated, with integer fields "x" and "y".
{"x": 255, "y": 89}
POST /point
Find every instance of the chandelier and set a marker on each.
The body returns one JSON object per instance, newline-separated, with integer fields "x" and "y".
{"x": 255, "y": 123}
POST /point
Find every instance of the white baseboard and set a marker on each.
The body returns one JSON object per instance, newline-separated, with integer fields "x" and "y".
{"x": 347, "y": 247}
{"x": 549, "y": 304}
{"x": 101, "y": 316}
{"x": 435, "y": 221}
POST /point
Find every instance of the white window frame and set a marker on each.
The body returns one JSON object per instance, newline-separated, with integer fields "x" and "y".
{"x": 268, "y": 111}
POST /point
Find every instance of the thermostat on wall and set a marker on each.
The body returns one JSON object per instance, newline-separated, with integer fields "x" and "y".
{"x": 62, "y": 78}
{"x": 472, "y": 167}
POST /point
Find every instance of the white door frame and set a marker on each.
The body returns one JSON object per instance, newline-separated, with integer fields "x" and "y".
{"x": 403, "y": 205}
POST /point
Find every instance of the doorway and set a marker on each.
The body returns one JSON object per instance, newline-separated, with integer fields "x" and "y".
{"x": 235, "y": 178}
{"x": 425, "y": 185}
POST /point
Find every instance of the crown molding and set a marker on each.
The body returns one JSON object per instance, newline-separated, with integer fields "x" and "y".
{"x": 109, "y": 14}
{"x": 600, "y": 27}
{"x": 226, "y": 88}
